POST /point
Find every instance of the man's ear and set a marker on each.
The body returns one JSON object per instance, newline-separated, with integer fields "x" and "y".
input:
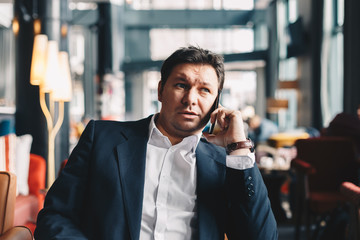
{"x": 160, "y": 89}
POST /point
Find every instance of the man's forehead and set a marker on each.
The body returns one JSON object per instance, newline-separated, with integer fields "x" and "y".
{"x": 186, "y": 69}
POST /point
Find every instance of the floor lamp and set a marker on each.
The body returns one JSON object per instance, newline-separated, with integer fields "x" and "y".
{"x": 50, "y": 71}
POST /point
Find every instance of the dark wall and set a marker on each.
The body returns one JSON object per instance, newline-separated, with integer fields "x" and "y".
{"x": 351, "y": 56}
{"x": 28, "y": 117}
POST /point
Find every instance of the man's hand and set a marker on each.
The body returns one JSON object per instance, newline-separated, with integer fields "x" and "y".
{"x": 231, "y": 130}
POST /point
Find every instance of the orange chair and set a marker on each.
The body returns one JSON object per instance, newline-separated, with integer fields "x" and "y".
{"x": 321, "y": 165}
{"x": 7, "y": 206}
{"x": 352, "y": 194}
{"x": 37, "y": 178}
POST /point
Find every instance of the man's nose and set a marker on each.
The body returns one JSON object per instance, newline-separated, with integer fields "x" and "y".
{"x": 190, "y": 97}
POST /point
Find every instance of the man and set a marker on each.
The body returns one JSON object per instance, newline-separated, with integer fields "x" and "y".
{"x": 261, "y": 129}
{"x": 157, "y": 178}
{"x": 345, "y": 125}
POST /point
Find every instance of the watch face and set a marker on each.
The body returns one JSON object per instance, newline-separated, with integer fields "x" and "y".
{"x": 232, "y": 146}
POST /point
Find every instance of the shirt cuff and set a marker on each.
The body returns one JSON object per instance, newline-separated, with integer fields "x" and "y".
{"x": 240, "y": 162}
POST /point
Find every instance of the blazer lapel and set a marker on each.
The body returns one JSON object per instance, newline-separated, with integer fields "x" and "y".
{"x": 211, "y": 171}
{"x": 131, "y": 155}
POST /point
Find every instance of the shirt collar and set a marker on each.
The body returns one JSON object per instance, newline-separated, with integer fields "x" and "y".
{"x": 157, "y": 139}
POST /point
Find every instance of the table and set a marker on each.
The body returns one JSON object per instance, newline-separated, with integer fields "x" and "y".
{"x": 286, "y": 139}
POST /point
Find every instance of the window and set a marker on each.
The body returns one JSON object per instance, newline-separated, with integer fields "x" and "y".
{"x": 287, "y": 119}
{"x": 223, "y": 41}
{"x": 7, "y": 71}
{"x": 239, "y": 89}
{"x": 191, "y": 4}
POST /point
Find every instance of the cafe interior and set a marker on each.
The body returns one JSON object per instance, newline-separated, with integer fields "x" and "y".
{"x": 292, "y": 69}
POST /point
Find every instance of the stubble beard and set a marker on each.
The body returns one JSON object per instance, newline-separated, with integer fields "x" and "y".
{"x": 185, "y": 131}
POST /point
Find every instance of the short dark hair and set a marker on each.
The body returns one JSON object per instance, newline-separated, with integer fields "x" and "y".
{"x": 195, "y": 55}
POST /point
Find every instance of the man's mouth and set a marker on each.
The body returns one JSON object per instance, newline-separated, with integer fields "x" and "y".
{"x": 188, "y": 114}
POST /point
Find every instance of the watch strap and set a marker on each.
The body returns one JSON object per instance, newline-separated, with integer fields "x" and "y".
{"x": 240, "y": 145}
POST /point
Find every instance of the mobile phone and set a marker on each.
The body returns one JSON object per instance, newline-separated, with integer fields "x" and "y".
{"x": 216, "y": 105}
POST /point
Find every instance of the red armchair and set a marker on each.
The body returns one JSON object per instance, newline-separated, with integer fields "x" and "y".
{"x": 321, "y": 165}
{"x": 27, "y": 207}
{"x": 352, "y": 194}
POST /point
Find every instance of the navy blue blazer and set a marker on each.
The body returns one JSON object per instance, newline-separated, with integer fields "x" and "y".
{"x": 99, "y": 193}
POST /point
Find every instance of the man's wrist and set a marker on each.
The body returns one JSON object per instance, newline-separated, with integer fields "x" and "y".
{"x": 240, "y": 148}
{"x": 239, "y": 152}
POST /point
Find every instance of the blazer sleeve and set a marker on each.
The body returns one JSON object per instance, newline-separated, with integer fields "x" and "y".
{"x": 60, "y": 217}
{"x": 249, "y": 214}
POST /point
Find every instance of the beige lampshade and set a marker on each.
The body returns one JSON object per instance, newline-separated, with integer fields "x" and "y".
{"x": 63, "y": 90}
{"x": 51, "y": 76}
{"x": 38, "y": 64}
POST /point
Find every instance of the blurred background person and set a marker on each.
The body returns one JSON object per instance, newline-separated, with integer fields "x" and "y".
{"x": 260, "y": 129}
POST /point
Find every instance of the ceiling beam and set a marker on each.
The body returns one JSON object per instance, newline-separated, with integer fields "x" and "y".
{"x": 192, "y": 18}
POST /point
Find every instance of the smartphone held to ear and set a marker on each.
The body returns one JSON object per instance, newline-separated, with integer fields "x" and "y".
{"x": 214, "y": 128}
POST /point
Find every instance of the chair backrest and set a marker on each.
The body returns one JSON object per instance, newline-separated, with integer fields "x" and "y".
{"x": 7, "y": 200}
{"x": 334, "y": 159}
{"x": 352, "y": 193}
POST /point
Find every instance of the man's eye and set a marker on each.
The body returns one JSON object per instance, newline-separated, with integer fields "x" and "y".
{"x": 205, "y": 90}
{"x": 180, "y": 85}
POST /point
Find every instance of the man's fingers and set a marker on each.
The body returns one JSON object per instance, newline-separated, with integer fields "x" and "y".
{"x": 230, "y": 124}
{"x": 223, "y": 117}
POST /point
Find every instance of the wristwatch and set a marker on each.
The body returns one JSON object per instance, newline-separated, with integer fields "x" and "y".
{"x": 239, "y": 145}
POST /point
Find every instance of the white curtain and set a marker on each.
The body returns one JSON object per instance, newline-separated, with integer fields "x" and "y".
{"x": 7, "y": 68}
{"x": 331, "y": 67}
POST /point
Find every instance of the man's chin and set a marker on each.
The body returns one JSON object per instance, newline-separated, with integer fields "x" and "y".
{"x": 190, "y": 129}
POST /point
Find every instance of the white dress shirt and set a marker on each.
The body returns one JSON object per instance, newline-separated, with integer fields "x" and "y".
{"x": 169, "y": 202}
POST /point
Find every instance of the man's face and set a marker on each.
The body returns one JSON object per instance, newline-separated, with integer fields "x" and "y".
{"x": 187, "y": 98}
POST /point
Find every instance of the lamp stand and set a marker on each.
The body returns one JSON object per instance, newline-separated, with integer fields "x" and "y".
{"x": 52, "y": 131}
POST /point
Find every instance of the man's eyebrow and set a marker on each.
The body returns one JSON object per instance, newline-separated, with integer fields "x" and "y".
{"x": 205, "y": 83}
{"x": 182, "y": 77}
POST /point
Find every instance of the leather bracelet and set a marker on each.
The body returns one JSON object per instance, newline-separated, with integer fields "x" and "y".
{"x": 240, "y": 145}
